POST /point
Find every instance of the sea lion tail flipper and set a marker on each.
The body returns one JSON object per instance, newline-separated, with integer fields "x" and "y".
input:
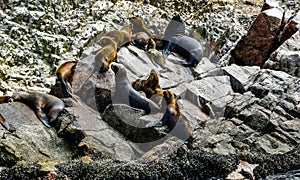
{"x": 161, "y": 122}
{"x": 54, "y": 112}
{"x": 42, "y": 117}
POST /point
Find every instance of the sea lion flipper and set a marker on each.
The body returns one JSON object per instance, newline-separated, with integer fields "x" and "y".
{"x": 5, "y": 125}
{"x": 166, "y": 51}
{"x": 42, "y": 117}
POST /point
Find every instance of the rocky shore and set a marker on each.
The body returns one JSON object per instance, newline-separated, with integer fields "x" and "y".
{"x": 243, "y": 102}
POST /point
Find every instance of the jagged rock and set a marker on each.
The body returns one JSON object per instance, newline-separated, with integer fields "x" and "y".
{"x": 128, "y": 121}
{"x": 240, "y": 77}
{"x": 211, "y": 94}
{"x": 290, "y": 28}
{"x": 286, "y": 57}
{"x": 28, "y": 140}
{"x": 269, "y": 4}
{"x": 98, "y": 136}
{"x": 254, "y": 48}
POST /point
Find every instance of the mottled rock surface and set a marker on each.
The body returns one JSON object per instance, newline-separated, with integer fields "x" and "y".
{"x": 246, "y": 119}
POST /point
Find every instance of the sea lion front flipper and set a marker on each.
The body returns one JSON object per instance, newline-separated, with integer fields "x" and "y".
{"x": 168, "y": 49}
{"x": 4, "y": 123}
{"x": 127, "y": 43}
{"x": 42, "y": 117}
{"x": 161, "y": 122}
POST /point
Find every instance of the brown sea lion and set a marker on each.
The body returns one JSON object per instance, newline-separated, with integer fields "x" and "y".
{"x": 139, "y": 26}
{"x": 126, "y": 94}
{"x": 122, "y": 37}
{"x": 177, "y": 124}
{"x": 150, "y": 86}
{"x": 64, "y": 74}
{"x": 111, "y": 42}
{"x": 45, "y": 106}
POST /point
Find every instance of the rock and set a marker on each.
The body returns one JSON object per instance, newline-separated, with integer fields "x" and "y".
{"x": 286, "y": 57}
{"x": 98, "y": 136}
{"x": 254, "y": 48}
{"x": 127, "y": 121}
{"x": 29, "y": 141}
{"x": 269, "y": 4}
{"x": 290, "y": 28}
{"x": 240, "y": 77}
{"x": 210, "y": 94}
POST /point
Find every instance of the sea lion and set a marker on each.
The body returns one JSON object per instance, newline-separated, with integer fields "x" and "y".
{"x": 122, "y": 37}
{"x": 104, "y": 57}
{"x": 4, "y": 99}
{"x": 156, "y": 56}
{"x": 41, "y": 104}
{"x": 64, "y": 74}
{"x": 139, "y": 26}
{"x": 111, "y": 42}
{"x": 140, "y": 40}
{"x": 176, "y": 41}
{"x": 126, "y": 94}
{"x": 150, "y": 86}
{"x": 177, "y": 124}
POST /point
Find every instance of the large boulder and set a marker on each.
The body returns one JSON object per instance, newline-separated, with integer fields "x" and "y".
{"x": 286, "y": 57}
{"x": 254, "y": 48}
{"x": 28, "y": 140}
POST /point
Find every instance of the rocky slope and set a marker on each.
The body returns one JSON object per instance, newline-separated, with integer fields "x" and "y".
{"x": 246, "y": 118}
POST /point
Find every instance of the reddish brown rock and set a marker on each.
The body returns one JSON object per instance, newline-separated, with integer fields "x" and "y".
{"x": 254, "y": 48}
{"x": 269, "y": 4}
{"x": 290, "y": 28}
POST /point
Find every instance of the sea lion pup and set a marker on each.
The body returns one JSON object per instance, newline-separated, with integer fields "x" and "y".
{"x": 155, "y": 55}
{"x": 140, "y": 40}
{"x": 176, "y": 41}
{"x": 64, "y": 74}
{"x": 126, "y": 94}
{"x": 138, "y": 26}
{"x": 41, "y": 104}
{"x": 177, "y": 124}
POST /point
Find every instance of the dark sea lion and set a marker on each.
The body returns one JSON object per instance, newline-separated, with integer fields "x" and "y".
{"x": 140, "y": 40}
{"x": 177, "y": 124}
{"x": 64, "y": 74}
{"x": 176, "y": 41}
{"x": 126, "y": 94}
{"x": 41, "y": 104}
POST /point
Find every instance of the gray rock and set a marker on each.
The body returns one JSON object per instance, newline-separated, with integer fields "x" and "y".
{"x": 286, "y": 57}
{"x": 212, "y": 92}
{"x": 101, "y": 138}
{"x": 240, "y": 76}
{"x": 29, "y": 140}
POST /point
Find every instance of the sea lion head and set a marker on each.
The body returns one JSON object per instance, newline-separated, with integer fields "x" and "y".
{"x": 118, "y": 69}
{"x": 176, "y": 26}
{"x": 127, "y": 28}
{"x": 168, "y": 96}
